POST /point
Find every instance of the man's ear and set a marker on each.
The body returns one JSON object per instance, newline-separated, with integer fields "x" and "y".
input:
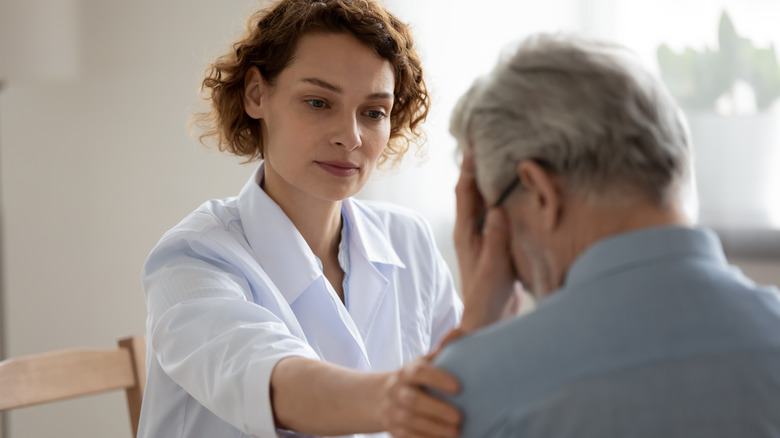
{"x": 254, "y": 87}
{"x": 545, "y": 191}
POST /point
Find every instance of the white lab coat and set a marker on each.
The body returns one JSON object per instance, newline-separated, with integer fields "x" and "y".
{"x": 234, "y": 288}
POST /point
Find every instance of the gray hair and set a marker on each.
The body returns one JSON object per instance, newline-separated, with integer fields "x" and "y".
{"x": 586, "y": 108}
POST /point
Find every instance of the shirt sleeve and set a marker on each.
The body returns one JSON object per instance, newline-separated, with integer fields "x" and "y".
{"x": 210, "y": 337}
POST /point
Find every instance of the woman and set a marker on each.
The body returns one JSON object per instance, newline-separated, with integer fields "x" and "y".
{"x": 293, "y": 307}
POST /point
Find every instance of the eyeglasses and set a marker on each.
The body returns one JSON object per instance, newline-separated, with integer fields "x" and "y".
{"x": 501, "y": 198}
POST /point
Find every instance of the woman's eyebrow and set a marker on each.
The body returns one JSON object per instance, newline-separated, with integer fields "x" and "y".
{"x": 323, "y": 84}
{"x": 336, "y": 89}
{"x": 381, "y": 95}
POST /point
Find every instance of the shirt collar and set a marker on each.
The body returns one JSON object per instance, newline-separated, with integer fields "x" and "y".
{"x": 637, "y": 248}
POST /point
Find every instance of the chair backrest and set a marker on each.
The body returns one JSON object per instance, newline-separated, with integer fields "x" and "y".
{"x": 76, "y": 372}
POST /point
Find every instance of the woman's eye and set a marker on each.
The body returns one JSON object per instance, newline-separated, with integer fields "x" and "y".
{"x": 316, "y": 103}
{"x": 375, "y": 114}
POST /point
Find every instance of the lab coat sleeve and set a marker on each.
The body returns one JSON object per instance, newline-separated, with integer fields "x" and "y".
{"x": 447, "y": 305}
{"x": 210, "y": 337}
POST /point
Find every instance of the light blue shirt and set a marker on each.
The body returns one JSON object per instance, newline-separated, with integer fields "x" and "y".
{"x": 653, "y": 334}
{"x": 234, "y": 288}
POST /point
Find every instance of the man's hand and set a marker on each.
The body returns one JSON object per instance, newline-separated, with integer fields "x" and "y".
{"x": 409, "y": 411}
{"x": 484, "y": 258}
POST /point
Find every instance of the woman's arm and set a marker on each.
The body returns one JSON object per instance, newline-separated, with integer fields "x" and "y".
{"x": 318, "y": 398}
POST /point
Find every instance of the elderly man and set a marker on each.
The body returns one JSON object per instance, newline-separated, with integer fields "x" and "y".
{"x": 642, "y": 329}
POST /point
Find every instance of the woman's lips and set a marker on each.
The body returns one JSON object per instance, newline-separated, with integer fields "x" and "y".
{"x": 339, "y": 168}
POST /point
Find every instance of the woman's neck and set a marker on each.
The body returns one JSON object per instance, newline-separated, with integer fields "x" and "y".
{"x": 320, "y": 225}
{"x": 318, "y": 220}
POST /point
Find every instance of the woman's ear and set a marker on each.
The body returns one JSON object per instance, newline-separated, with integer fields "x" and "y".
{"x": 545, "y": 191}
{"x": 254, "y": 86}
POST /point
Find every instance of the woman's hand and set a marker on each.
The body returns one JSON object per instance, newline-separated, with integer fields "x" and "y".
{"x": 410, "y": 411}
{"x": 322, "y": 399}
{"x": 488, "y": 279}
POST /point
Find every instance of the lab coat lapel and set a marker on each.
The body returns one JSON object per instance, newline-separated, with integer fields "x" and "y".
{"x": 278, "y": 246}
{"x": 373, "y": 259}
{"x": 367, "y": 291}
{"x": 329, "y": 328}
{"x": 292, "y": 267}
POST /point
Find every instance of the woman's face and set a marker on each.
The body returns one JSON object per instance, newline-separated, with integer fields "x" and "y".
{"x": 326, "y": 120}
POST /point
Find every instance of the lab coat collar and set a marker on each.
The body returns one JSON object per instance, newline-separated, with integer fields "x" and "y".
{"x": 278, "y": 246}
{"x": 373, "y": 242}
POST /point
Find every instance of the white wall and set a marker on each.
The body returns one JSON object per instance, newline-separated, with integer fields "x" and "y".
{"x": 96, "y": 167}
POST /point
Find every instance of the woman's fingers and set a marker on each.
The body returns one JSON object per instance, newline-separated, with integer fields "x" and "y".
{"x": 425, "y": 415}
{"x": 422, "y": 373}
{"x": 413, "y": 411}
{"x": 419, "y": 426}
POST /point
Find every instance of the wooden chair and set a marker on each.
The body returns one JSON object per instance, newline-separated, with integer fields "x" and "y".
{"x": 76, "y": 372}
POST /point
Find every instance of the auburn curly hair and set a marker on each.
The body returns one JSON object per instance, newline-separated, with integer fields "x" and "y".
{"x": 270, "y": 42}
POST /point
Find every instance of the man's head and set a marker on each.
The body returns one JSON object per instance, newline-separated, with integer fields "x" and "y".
{"x": 597, "y": 142}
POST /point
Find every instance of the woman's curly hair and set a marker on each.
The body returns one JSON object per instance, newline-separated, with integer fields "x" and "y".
{"x": 269, "y": 44}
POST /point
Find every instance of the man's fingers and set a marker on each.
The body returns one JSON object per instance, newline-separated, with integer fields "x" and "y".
{"x": 468, "y": 200}
{"x": 493, "y": 279}
{"x": 496, "y": 257}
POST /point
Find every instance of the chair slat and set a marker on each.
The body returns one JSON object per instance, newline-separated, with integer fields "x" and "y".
{"x": 136, "y": 345}
{"x": 58, "y": 375}
{"x": 76, "y": 372}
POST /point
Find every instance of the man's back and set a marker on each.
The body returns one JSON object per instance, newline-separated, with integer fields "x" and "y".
{"x": 652, "y": 334}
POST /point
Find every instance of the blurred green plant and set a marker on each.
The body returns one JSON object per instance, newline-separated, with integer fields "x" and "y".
{"x": 698, "y": 79}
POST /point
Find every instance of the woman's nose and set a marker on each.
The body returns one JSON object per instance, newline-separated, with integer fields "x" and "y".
{"x": 346, "y": 133}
